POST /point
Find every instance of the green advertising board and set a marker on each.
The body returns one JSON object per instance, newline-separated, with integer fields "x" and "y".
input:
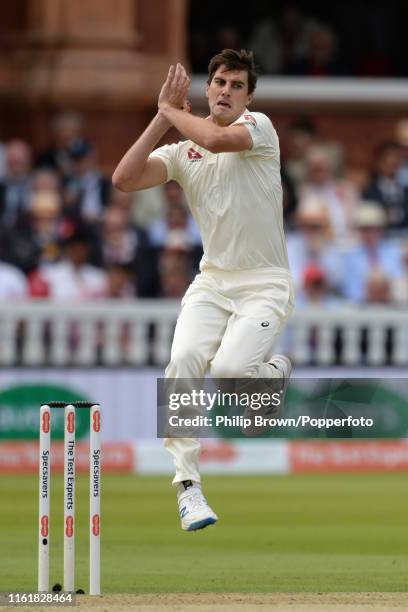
{"x": 20, "y": 411}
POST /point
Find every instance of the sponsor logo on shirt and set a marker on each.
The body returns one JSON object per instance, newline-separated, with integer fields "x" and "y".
{"x": 251, "y": 119}
{"x": 194, "y": 155}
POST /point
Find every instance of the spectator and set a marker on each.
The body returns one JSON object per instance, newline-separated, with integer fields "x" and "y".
{"x": 67, "y": 130}
{"x": 385, "y": 187}
{"x": 37, "y": 240}
{"x": 15, "y": 189}
{"x": 372, "y": 253}
{"x": 174, "y": 282}
{"x": 73, "y": 278}
{"x": 120, "y": 281}
{"x": 312, "y": 244}
{"x": 177, "y": 219}
{"x": 119, "y": 238}
{"x": 277, "y": 44}
{"x": 45, "y": 180}
{"x": 377, "y": 292}
{"x": 87, "y": 193}
{"x": 402, "y": 140}
{"x": 174, "y": 194}
{"x": 124, "y": 243}
{"x": 175, "y": 272}
{"x": 13, "y": 284}
{"x": 148, "y": 205}
{"x": 377, "y": 288}
{"x": 399, "y": 285}
{"x": 316, "y": 288}
{"x": 123, "y": 200}
{"x": 47, "y": 225}
{"x": 316, "y": 292}
{"x": 300, "y": 137}
{"x": 339, "y": 195}
{"x": 321, "y": 59}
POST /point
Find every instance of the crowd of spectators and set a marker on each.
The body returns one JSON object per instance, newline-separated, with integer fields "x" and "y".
{"x": 67, "y": 234}
{"x": 347, "y": 239}
{"x": 305, "y": 39}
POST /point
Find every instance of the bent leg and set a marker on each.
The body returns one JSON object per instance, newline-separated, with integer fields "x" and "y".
{"x": 245, "y": 348}
{"x": 261, "y": 310}
{"x": 199, "y": 330}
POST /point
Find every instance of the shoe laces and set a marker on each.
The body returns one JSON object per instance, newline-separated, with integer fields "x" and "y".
{"x": 195, "y": 498}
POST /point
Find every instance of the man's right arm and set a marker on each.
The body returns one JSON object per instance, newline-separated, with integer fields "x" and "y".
{"x": 135, "y": 170}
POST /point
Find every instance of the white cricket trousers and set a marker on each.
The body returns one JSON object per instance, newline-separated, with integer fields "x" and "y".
{"x": 229, "y": 322}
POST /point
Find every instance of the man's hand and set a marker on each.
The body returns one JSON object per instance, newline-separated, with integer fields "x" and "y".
{"x": 175, "y": 89}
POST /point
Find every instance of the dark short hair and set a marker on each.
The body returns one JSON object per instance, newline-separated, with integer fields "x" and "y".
{"x": 235, "y": 60}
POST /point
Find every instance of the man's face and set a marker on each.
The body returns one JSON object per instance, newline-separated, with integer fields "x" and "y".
{"x": 18, "y": 159}
{"x": 228, "y": 95}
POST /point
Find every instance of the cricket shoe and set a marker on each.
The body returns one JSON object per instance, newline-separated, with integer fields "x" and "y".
{"x": 195, "y": 513}
{"x": 275, "y": 385}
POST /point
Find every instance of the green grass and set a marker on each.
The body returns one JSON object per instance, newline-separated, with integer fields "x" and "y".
{"x": 290, "y": 533}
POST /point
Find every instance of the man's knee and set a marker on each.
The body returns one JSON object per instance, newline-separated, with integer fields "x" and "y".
{"x": 186, "y": 362}
{"x": 231, "y": 369}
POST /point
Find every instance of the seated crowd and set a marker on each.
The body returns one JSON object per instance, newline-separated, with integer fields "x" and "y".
{"x": 67, "y": 234}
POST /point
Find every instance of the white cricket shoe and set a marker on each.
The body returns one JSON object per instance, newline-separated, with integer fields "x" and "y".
{"x": 195, "y": 513}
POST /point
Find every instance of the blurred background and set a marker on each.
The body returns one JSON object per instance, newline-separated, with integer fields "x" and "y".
{"x": 91, "y": 278}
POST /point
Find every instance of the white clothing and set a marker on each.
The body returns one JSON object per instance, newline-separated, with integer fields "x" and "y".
{"x": 340, "y": 199}
{"x": 13, "y": 284}
{"x": 328, "y": 258}
{"x": 159, "y": 231}
{"x": 222, "y": 325}
{"x": 68, "y": 283}
{"x": 235, "y": 198}
{"x": 91, "y": 202}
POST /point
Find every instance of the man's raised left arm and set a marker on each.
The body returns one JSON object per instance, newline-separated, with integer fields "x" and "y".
{"x": 203, "y": 132}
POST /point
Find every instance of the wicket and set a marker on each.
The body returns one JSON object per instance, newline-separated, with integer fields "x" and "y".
{"x": 69, "y": 495}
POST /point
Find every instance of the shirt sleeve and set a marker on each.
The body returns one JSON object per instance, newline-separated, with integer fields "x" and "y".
{"x": 168, "y": 154}
{"x": 264, "y": 138}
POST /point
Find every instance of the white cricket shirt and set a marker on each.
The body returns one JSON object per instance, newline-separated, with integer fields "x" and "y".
{"x": 235, "y": 198}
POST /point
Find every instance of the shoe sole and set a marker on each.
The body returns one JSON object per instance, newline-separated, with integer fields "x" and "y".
{"x": 201, "y": 524}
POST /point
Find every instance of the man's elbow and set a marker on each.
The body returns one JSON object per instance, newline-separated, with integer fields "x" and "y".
{"x": 119, "y": 182}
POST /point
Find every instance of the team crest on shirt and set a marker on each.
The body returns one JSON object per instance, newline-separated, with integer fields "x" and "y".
{"x": 194, "y": 155}
{"x": 251, "y": 119}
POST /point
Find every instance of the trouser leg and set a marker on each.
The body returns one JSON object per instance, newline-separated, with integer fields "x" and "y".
{"x": 251, "y": 333}
{"x": 199, "y": 330}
